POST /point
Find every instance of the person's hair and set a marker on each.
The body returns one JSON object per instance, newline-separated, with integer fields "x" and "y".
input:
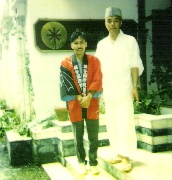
{"x": 78, "y": 32}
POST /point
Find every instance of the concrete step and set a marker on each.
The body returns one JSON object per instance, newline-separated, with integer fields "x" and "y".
{"x": 146, "y": 165}
{"x": 57, "y": 171}
{"x": 72, "y": 164}
{"x": 104, "y": 155}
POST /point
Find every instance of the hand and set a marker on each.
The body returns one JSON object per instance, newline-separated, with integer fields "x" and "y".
{"x": 79, "y": 98}
{"x": 85, "y": 103}
{"x": 135, "y": 95}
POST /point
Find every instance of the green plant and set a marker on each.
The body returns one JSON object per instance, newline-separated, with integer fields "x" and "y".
{"x": 11, "y": 120}
{"x": 48, "y": 121}
{"x": 148, "y": 102}
{"x": 29, "y": 78}
{"x": 162, "y": 76}
{"x": 3, "y": 104}
{"x": 8, "y": 121}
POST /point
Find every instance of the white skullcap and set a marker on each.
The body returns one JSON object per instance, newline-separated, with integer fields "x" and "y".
{"x": 111, "y": 11}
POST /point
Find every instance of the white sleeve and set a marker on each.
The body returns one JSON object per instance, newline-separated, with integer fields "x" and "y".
{"x": 135, "y": 57}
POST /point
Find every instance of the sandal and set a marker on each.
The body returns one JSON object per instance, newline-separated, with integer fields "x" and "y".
{"x": 116, "y": 160}
{"x": 127, "y": 167}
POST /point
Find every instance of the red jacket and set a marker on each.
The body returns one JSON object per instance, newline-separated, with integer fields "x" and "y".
{"x": 94, "y": 82}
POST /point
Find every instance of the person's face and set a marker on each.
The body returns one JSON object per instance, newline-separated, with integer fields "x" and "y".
{"x": 113, "y": 24}
{"x": 79, "y": 46}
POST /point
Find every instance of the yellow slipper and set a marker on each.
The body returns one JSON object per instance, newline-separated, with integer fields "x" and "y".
{"x": 116, "y": 160}
{"x": 127, "y": 166}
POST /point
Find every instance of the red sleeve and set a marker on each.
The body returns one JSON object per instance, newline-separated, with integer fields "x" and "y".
{"x": 94, "y": 74}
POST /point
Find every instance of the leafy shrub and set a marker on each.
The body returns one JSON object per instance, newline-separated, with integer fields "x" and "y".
{"x": 11, "y": 120}
{"x": 148, "y": 103}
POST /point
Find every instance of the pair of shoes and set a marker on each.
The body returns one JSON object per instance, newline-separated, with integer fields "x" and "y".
{"x": 82, "y": 169}
{"x": 94, "y": 170}
{"x": 116, "y": 160}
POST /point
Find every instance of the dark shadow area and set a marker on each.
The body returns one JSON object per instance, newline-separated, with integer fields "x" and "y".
{"x": 26, "y": 172}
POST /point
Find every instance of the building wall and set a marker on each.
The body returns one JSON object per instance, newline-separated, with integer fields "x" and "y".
{"x": 45, "y": 66}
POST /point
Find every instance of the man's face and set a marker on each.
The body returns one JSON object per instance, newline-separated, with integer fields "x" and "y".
{"x": 79, "y": 46}
{"x": 113, "y": 24}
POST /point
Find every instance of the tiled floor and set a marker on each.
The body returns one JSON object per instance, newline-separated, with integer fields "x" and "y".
{"x": 147, "y": 166}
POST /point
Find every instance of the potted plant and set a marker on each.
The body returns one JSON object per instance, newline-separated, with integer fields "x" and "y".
{"x": 61, "y": 113}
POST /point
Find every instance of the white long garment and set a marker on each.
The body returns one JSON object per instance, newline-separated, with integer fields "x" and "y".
{"x": 116, "y": 62}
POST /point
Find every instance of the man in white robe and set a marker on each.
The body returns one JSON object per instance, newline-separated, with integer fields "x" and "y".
{"x": 121, "y": 65}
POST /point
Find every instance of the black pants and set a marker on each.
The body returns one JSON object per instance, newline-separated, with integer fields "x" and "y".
{"x": 92, "y": 130}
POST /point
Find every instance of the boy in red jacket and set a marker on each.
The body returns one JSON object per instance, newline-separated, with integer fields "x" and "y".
{"x": 81, "y": 85}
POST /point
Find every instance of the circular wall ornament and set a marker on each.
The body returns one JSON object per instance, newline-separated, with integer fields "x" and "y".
{"x": 54, "y": 35}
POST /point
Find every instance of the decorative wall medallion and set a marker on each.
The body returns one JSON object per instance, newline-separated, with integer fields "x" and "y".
{"x": 54, "y": 35}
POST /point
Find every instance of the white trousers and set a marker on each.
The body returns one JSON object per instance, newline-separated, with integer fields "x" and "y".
{"x": 121, "y": 127}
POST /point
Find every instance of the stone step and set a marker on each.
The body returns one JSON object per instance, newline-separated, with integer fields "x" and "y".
{"x": 154, "y": 132}
{"x": 146, "y": 165}
{"x": 57, "y": 171}
{"x": 104, "y": 154}
{"x": 72, "y": 164}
